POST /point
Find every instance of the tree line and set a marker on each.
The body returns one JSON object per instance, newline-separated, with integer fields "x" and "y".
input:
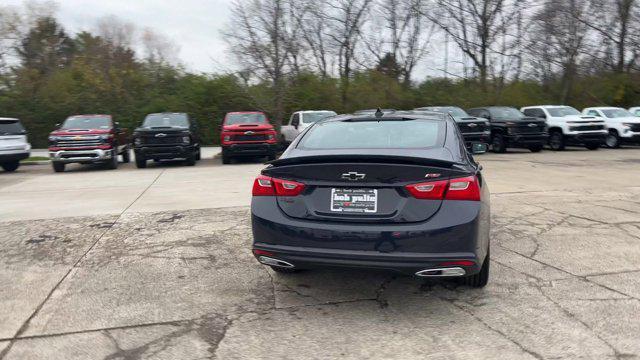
{"x": 336, "y": 54}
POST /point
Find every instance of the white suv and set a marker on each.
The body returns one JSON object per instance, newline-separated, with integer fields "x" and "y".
{"x": 567, "y": 126}
{"x": 622, "y": 125}
{"x": 299, "y": 121}
{"x": 13, "y": 144}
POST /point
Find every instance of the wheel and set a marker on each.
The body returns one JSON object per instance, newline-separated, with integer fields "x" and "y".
{"x": 498, "y": 143}
{"x": 612, "y": 140}
{"x": 535, "y": 148}
{"x": 11, "y": 166}
{"x": 271, "y": 157}
{"x": 141, "y": 162}
{"x": 282, "y": 270}
{"x": 126, "y": 156}
{"x": 113, "y": 162}
{"x": 226, "y": 159}
{"x": 556, "y": 141}
{"x": 58, "y": 166}
{"x": 480, "y": 279}
{"x": 191, "y": 160}
{"x": 198, "y": 155}
{"x": 592, "y": 146}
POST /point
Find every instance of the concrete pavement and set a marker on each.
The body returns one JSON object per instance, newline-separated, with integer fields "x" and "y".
{"x": 154, "y": 263}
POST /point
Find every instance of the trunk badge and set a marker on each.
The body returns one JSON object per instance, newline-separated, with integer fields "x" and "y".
{"x": 353, "y": 176}
{"x": 472, "y": 125}
{"x": 532, "y": 125}
{"x": 249, "y": 132}
{"x": 161, "y": 135}
{"x": 432, "y": 175}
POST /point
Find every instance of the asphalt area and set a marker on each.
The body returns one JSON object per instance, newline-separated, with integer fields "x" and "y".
{"x": 155, "y": 264}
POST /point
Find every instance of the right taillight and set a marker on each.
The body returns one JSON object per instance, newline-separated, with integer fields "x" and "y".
{"x": 268, "y": 186}
{"x": 466, "y": 188}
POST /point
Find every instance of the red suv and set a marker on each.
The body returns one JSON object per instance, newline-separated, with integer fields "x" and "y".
{"x": 88, "y": 139}
{"x": 247, "y": 133}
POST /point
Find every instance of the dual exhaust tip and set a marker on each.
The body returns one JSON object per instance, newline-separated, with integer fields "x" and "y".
{"x": 439, "y": 272}
{"x": 275, "y": 262}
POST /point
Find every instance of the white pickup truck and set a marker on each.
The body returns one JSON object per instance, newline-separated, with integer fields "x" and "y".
{"x": 567, "y": 126}
{"x": 299, "y": 121}
{"x": 622, "y": 125}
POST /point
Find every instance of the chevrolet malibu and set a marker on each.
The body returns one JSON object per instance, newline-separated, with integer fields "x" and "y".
{"x": 397, "y": 192}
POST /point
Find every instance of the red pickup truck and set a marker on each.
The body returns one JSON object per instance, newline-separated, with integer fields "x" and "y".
{"x": 88, "y": 139}
{"x": 247, "y": 133}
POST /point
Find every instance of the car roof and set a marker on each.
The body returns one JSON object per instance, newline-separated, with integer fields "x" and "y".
{"x": 603, "y": 108}
{"x": 168, "y": 113}
{"x": 78, "y": 115}
{"x": 311, "y": 111}
{"x": 544, "y": 106}
{"x": 8, "y": 119}
{"x": 246, "y": 112}
{"x": 394, "y": 116}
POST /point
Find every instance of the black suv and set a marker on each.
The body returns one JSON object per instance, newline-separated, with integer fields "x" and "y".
{"x": 166, "y": 136}
{"x": 511, "y": 128}
{"x": 473, "y": 129}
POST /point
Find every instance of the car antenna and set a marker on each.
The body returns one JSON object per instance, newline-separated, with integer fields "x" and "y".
{"x": 379, "y": 113}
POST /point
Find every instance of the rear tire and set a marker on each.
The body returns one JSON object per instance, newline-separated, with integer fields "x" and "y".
{"x": 226, "y": 159}
{"x": 480, "y": 279}
{"x": 556, "y": 141}
{"x": 198, "y": 155}
{"x": 612, "y": 140}
{"x": 271, "y": 157}
{"x": 11, "y": 166}
{"x": 191, "y": 160}
{"x": 498, "y": 144}
{"x": 58, "y": 166}
{"x": 126, "y": 156}
{"x": 282, "y": 270}
{"x": 535, "y": 148}
{"x": 141, "y": 162}
{"x": 592, "y": 146}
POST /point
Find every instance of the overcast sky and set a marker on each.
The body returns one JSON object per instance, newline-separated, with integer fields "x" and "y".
{"x": 193, "y": 25}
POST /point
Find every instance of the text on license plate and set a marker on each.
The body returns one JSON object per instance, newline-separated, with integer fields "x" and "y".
{"x": 354, "y": 200}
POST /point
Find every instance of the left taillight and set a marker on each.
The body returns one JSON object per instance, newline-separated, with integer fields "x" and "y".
{"x": 465, "y": 188}
{"x": 268, "y": 186}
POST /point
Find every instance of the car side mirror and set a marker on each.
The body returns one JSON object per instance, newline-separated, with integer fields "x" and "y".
{"x": 58, "y": 125}
{"x": 478, "y": 148}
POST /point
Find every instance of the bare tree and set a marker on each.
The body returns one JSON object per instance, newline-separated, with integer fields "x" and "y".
{"x": 345, "y": 20}
{"x": 475, "y": 26}
{"x": 405, "y": 35}
{"x": 559, "y": 41}
{"x": 617, "y": 23}
{"x": 312, "y": 21}
{"x": 117, "y": 32}
{"x": 158, "y": 48}
{"x": 257, "y": 35}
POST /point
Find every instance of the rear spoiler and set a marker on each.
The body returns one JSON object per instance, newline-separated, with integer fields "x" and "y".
{"x": 320, "y": 159}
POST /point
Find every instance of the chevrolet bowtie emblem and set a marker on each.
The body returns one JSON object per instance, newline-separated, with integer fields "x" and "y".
{"x": 353, "y": 176}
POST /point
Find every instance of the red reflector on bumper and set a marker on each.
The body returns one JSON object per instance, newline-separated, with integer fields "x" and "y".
{"x": 458, "y": 263}
{"x": 259, "y": 252}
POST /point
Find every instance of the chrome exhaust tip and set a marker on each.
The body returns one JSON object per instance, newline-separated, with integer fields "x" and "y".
{"x": 452, "y": 271}
{"x": 274, "y": 262}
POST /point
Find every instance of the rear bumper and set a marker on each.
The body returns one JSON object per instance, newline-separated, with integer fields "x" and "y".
{"x": 165, "y": 152}
{"x": 459, "y": 231}
{"x": 13, "y": 156}
{"x": 81, "y": 156}
{"x": 527, "y": 139}
{"x": 252, "y": 149}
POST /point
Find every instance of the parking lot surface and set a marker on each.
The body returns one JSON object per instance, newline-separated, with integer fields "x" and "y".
{"x": 156, "y": 264}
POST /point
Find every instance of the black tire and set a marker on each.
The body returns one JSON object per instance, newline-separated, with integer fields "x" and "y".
{"x": 535, "y": 148}
{"x": 498, "y": 144}
{"x": 556, "y": 141}
{"x": 612, "y": 140}
{"x": 113, "y": 162}
{"x": 141, "y": 162}
{"x": 11, "y": 166}
{"x": 126, "y": 156}
{"x": 271, "y": 157}
{"x": 191, "y": 160}
{"x": 282, "y": 270}
{"x": 226, "y": 159}
{"x": 480, "y": 279}
{"x": 592, "y": 146}
{"x": 198, "y": 155}
{"x": 58, "y": 166}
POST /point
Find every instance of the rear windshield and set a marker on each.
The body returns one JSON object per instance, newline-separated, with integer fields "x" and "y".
{"x": 87, "y": 123}
{"x": 11, "y": 127}
{"x": 312, "y": 117}
{"x": 387, "y": 134}
{"x": 506, "y": 113}
{"x": 454, "y": 111}
{"x": 563, "y": 111}
{"x": 166, "y": 120}
{"x": 251, "y": 118}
